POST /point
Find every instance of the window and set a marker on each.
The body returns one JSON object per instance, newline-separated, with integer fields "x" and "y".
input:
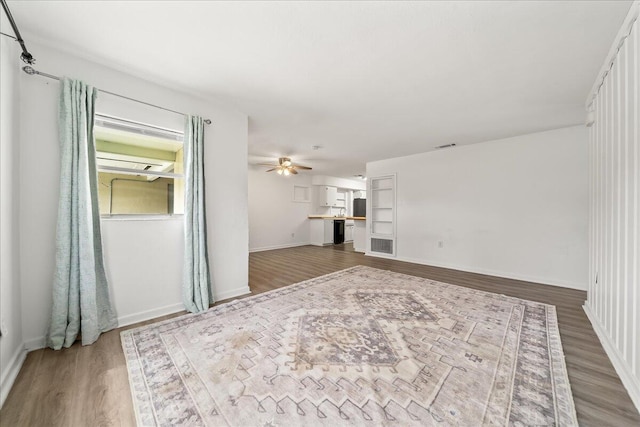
{"x": 140, "y": 168}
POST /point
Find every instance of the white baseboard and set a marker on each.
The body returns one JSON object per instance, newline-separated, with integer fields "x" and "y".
{"x": 497, "y": 273}
{"x": 631, "y": 383}
{"x": 506, "y": 275}
{"x": 142, "y": 316}
{"x": 35, "y": 343}
{"x": 11, "y": 373}
{"x": 286, "y": 245}
{"x": 243, "y": 290}
{"x": 129, "y": 319}
{"x": 389, "y": 256}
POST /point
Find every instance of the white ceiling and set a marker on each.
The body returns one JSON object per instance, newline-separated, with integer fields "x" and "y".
{"x": 364, "y": 80}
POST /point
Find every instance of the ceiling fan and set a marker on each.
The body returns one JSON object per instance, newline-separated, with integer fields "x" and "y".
{"x": 285, "y": 167}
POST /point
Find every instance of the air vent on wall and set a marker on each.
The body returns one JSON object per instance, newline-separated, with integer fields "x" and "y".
{"x": 382, "y": 246}
{"x": 445, "y": 146}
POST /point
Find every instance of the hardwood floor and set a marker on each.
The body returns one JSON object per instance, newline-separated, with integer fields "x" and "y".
{"x": 88, "y": 386}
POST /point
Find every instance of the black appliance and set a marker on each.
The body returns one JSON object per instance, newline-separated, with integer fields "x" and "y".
{"x": 338, "y": 231}
{"x": 360, "y": 207}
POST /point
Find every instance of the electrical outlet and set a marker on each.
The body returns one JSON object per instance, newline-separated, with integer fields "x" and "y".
{"x": 440, "y": 244}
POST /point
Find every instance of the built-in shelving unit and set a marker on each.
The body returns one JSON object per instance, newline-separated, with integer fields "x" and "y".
{"x": 382, "y": 214}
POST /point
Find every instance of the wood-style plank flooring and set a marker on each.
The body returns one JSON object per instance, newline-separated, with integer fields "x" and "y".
{"x": 88, "y": 386}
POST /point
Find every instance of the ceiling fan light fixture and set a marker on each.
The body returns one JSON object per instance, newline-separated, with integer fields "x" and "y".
{"x": 285, "y": 167}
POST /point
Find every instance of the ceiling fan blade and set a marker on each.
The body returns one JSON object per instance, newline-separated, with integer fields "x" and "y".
{"x": 266, "y": 164}
{"x": 301, "y": 167}
{"x": 271, "y": 169}
{"x": 293, "y": 171}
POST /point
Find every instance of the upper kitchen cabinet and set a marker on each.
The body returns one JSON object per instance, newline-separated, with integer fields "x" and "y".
{"x": 359, "y": 194}
{"x": 328, "y": 196}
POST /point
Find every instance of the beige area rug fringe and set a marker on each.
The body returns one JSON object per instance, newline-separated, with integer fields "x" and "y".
{"x": 360, "y": 346}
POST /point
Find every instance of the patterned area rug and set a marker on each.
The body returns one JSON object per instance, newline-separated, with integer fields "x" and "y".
{"x": 358, "y": 347}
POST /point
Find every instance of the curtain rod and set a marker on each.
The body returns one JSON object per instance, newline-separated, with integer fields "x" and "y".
{"x": 26, "y": 56}
{"x": 31, "y": 71}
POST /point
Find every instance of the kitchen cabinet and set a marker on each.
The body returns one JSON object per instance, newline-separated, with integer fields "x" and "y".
{"x": 321, "y": 232}
{"x": 360, "y": 236}
{"x": 360, "y": 194}
{"x": 328, "y": 196}
{"x": 348, "y": 230}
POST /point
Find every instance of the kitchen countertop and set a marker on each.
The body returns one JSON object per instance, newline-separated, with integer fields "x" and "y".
{"x": 357, "y": 218}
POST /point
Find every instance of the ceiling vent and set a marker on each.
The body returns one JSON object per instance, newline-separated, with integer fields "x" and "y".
{"x": 445, "y": 146}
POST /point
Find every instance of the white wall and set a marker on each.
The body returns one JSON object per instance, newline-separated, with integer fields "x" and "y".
{"x": 11, "y": 349}
{"x": 333, "y": 181}
{"x": 226, "y": 197}
{"x": 614, "y": 277}
{"x": 143, "y": 260}
{"x": 275, "y": 220}
{"x": 515, "y": 207}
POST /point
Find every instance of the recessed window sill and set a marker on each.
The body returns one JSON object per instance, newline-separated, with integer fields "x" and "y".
{"x": 142, "y": 217}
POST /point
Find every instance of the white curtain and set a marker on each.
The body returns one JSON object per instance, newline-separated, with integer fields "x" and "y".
{"x": 81, "y": 302}
{"x": 196, "y": 290}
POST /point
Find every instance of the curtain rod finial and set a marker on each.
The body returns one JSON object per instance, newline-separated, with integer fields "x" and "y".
{"x": 207, "y": 121}
{"x": 27, "y": 58}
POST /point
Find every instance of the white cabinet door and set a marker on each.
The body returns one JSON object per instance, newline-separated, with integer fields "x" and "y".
{"x": 348, "y": 232}
{"x": 327, "y": 196}
{"x": 321, "y": 232}
{"x": 328, "y": 231}
{"x": 360, "y": 237}
{"x": 316, "y": 231}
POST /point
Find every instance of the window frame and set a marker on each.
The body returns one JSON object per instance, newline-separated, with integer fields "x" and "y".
{"x": 120, "y": 124}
